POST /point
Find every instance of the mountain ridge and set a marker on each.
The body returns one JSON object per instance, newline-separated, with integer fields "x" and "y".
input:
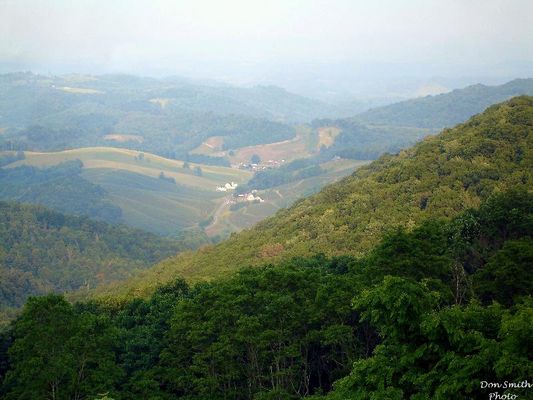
{"x": 446, "y": 109}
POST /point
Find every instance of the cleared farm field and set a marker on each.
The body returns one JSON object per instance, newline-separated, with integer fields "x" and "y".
{"x": 327, "y": 135}
{"x": 132, "y": 181}
{"x": 211, "y": 147}
{"x": 138, "y": 162}
{"x": 154, "y": 204}
{"x": 180, "y": 199}
{"x": 303, "y": 145}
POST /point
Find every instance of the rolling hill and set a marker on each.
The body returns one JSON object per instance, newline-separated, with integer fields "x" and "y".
{"x": 393, "y": 127}
{"x": 439, "y": 177}
{"x": 151, "y": 192}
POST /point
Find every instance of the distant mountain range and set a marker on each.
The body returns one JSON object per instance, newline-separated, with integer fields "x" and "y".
{"x": 129, "y": 92}
{"x": 161, "y": 116}
{"x": 172, "y": 117}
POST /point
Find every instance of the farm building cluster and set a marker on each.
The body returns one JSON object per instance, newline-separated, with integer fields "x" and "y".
{"x": 226, "y": 187}
{"x": 251, "y": 197}
{"x": 259, "y": 167}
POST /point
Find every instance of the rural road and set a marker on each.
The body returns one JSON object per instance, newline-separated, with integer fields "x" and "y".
{"x": 216, "y": 215}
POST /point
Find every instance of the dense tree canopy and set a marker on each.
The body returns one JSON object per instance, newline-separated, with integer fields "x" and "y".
{"x": 426, "y": 323}
{"x": 43, "y": 250}
{"x": 58, "y": 353}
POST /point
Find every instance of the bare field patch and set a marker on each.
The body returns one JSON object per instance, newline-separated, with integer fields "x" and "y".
{"x": 116, "y": 137}
{"x": 327, "y": 135}
{"x": 303, "y": 145}
{"x": 215, "y": 142}
{"x": 211, "y": 147}
{"x": 162, "y": 102}
{"x": 286, "y": 150}
{"x": 76, "y": 90}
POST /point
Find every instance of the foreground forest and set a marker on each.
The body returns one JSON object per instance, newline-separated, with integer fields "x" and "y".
{"x": 427, "y": 313}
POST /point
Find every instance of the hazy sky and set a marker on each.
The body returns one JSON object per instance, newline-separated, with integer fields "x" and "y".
{"x": 248, "y": 41}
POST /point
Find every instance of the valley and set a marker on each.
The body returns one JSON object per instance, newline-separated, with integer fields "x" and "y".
{"x": 108, "y": 123}
{"x": 133, "y": 181}
{"x": 235, "y": 214}
{"x": 182, "y": 198}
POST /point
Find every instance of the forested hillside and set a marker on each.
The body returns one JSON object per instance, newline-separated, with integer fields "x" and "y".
{"x": 365, "y": 142}
{"x": 43, "y": 251}
{"x": 447, "y": 109}
{"x": 396, "y": 126}
{"x": 439, "y": 177}
{"x": 428, "y": 313}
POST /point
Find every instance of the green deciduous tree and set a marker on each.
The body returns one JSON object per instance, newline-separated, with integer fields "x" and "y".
{"x": 59, "y": 354}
